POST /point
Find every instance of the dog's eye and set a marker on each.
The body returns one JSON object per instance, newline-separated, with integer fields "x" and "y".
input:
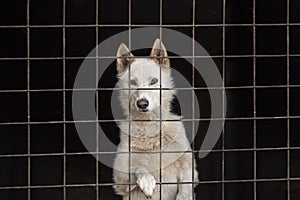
{"x": 153, "y": 81}
{"x": 133, "y": 82}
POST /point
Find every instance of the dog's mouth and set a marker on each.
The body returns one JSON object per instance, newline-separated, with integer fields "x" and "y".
{"x": 144, "y": 110}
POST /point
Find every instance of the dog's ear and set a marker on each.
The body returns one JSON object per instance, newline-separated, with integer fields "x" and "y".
{"x": 159, "y": 54}
{"x": 125, "y": 57}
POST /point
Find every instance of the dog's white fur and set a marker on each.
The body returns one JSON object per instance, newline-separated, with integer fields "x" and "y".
{"x": 144, "y": 134}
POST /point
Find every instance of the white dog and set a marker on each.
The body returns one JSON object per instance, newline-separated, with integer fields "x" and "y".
{"x": 152, "y": 154}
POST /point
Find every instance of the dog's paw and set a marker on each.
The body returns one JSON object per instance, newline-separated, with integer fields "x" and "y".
{"x": 184, "y": 197}
{"x": 146, "y": 183}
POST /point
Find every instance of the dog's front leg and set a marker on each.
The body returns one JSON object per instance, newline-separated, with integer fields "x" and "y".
{"x": 145, "y": 181}
{"x": 121, "y": 174}
{"x": 185, "y": 174}
{"x": 122, "y": 186}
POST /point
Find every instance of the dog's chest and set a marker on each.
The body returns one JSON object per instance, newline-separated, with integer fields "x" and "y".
{"x": 150, "y": 138}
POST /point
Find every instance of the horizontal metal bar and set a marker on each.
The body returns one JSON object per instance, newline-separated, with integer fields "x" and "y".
{"x": 178, "y": 88}
{"x": 158, "y": 183}
{"x": 175, "y": 57}
{"x": 146, "y": 25}
{"x": 164, "y": 120}
{"x": 150, "y": 152}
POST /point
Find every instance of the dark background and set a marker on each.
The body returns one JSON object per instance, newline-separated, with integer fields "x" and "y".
{"x": 258, "y": 153}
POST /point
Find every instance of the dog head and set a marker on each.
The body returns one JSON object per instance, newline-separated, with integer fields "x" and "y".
{"x": 141, "y": 79}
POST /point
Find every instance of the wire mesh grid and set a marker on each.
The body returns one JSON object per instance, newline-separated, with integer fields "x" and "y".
{"x": 257, "y": 165}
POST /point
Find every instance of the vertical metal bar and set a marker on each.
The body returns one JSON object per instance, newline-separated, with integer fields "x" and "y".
{"x": 28, "y": 100}
{"x": 64, "y": 103}
{"x": 129, "y": 91}
{"x": 97, "y": 101}
{"x": 160, "y": 94}
{"x": 193, "y": 100}
{"x": 288, "y": 97}
{"x": 223, "y": 94}
{"x": 254, "y": 100}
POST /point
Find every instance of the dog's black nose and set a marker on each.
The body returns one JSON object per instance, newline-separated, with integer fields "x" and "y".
{"x": 142, "y": 103}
